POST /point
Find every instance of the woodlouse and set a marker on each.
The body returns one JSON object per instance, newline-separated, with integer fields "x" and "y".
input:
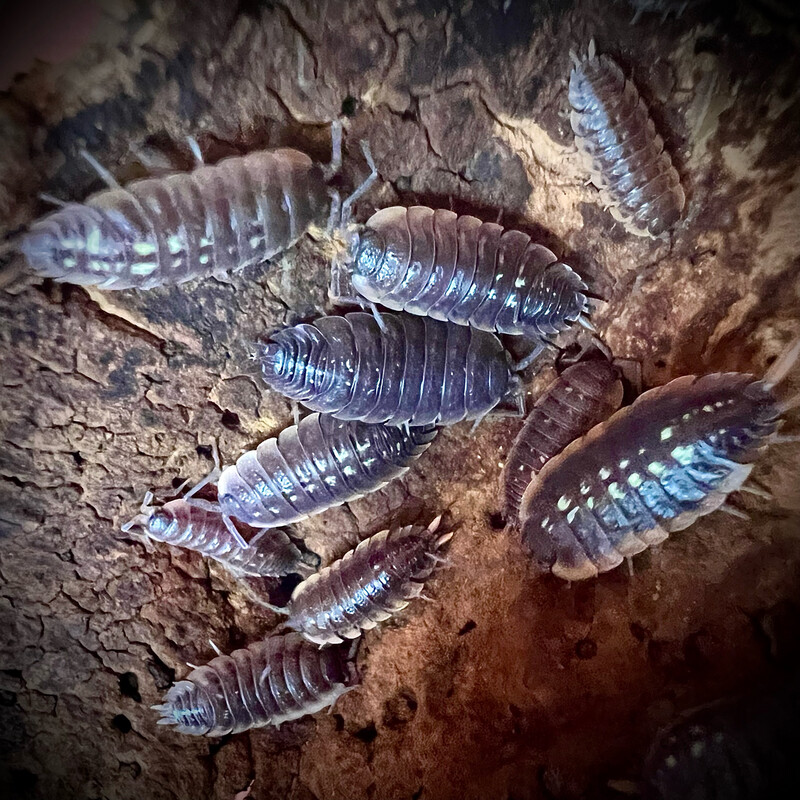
{"x": 239, "y": 212}
{"x": 181, "y": 524}
{"x": 582, "y": 396}
{"x": 624, "y": 154}
{"x": 742, "y": 748}
{"x": 398, "y": 369}
{"x": 458, "y": 269}
{"x": 312, "y": 466}
{"x": 651, "y": 469}
{"x": 269, "y": 682}
{"x": 367, "y": 585}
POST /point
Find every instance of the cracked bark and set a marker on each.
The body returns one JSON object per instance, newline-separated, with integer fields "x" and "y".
{"x": 491, "y": 691}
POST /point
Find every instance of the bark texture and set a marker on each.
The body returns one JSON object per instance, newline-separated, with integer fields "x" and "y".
{"x": 508, "y": 684}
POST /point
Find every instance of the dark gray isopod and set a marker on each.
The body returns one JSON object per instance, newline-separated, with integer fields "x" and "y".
{"x": 582, "y": 396}
{"x": 267, "y": 683}
{"x": 458, "y": 269}
{"x": 624, "y": 154}
{"x": 742, "y": 748}
{"x": 320, "y": 463}
{"x": 413, "y": 370}
{"x": 367, "y": 585}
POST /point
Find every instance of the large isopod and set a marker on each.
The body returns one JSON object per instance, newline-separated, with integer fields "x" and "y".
{"x": 624, "y": 154}
{"x": 399, "y": 369}
{"x": 742, "y": 748}
{"x": 459, "y": 269}
{"x": 582, "y": 396}
{"x": 181, "y": 524}
{"x": 367, "y": 585}
{"x": 269, "y": 682}
{"x": 320, "y": 463}
{"x": 239, "y": 212}
{"x": 652, "y": 469}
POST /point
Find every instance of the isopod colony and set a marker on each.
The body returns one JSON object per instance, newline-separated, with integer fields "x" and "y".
{"x": 587, "y": 484}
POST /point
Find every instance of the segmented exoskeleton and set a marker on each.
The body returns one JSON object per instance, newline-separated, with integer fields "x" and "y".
{"x": 181, "y": 524}
{"x": 239, "y": 212}
{"x": 269, "y": 682}
{"x": 401, "y": 369}
{"x": 367, "y": 585}
{"x": 320, "y": 463}
{"x": 624, "y": 154}
{"x": 742, "y": 748}
{"x": 653, "y": 468}
{"x": 582, "y": 396}
{"x": 459, "y": 269}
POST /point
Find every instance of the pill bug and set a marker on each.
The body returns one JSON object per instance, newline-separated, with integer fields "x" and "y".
{"x": 583, "y": 395}
{"x": 742, "y": 748}
{"x": 367, "y": 585}
{"x": 624, "y": 154}
{"x": 267, "y": 683}
{"x": 401, "y": 369}
{"x": 651, "y": 469}
{"x": 458, "y": 269}
{"x": 239, "y": 212}
{"x": 181, "y": 524}
{"x": 320, "y": 463}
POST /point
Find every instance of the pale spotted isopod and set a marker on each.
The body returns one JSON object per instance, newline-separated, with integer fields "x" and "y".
{"x": 367, "y": 585}
{"x": 652, "y": 469}
{"x": 624, "y": 154}
{"x": 181, "y": 524}
{"x": 267, "y": 683}
{"x": 458, "y": 269}
{"x": 582, "y": 396}
{"x": 399, "y": 369}
{"x": 742, "y": 748}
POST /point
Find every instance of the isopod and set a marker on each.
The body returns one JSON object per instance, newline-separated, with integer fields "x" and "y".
{"x": 742, "y": 748}
{"x": 398, "y": 369}
{"x": 367, "y": 585}
{"x": 181, "y": 524}
{"x": 458, "y": 269}
{"x": 582, "y": 396}
{"x": 653, "y": 468}
{"x": 312, "y": 466}
{"x": 239, "y": 212}
{"x": 269, "y": 682}
{"x": 624, "y": 154}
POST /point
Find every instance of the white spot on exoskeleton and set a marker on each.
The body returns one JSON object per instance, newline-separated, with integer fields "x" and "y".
{"x": 564, "y": 502}
{"x": 635, "y": 480}
{"x": 666, "y": 434}
{"x": 604, "y": 473}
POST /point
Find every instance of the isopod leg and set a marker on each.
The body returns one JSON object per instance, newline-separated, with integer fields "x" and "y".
{"x": 196, "y": 152}
{"x": 212, "y": 476}
{"x": 336, "y": 212}
{"x": 527, "y": 360}
{"x": 100, "y": 170}
{"x": 336, "y": 150}
{"x": 49, "y": 198}
{"x": 368, "y": 181}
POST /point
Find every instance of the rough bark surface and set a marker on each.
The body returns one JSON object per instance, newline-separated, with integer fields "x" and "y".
{"x": 508, "y": 684}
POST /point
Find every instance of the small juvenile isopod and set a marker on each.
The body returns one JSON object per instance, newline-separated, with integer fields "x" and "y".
{"x": 310, "y": 467}
{"x": 181, "y": 524}
{"x": 651, "y": 469}
{"x": 239, "y": 212}
{"x": 624, "y": 154}
{"x": 582, "y": 396}
{"x": 459, "y": 269}
{"x": 269, "y": 682}
{"x": 398, "y": 369}
{"x": 367, "y": 585}
{"x": 742, "y": 748}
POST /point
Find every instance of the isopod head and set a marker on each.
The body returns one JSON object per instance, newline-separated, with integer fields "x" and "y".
{"x": 369, "y": 248}
{"x": 158, "y": 524}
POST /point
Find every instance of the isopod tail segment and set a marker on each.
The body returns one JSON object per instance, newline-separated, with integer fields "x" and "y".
{"x": 215, "y": 507}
